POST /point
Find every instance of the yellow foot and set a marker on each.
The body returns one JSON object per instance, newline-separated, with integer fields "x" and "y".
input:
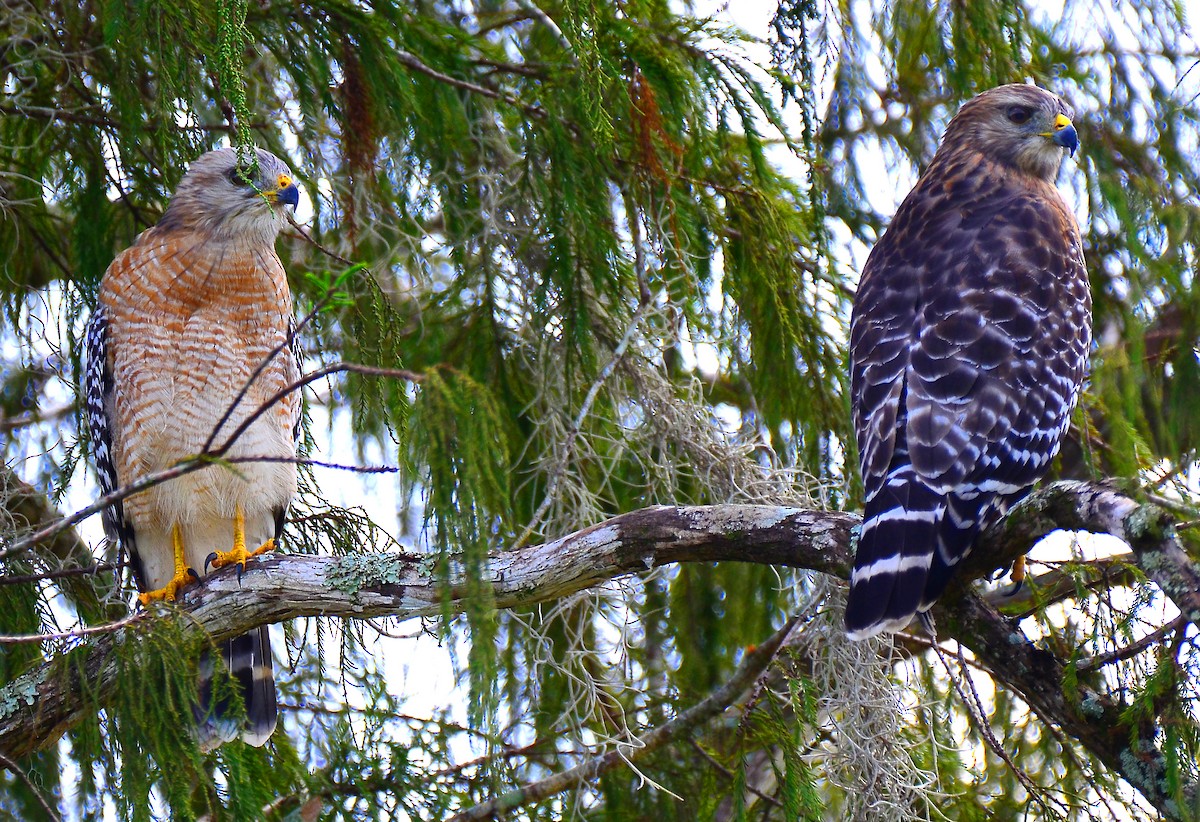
{"x": 238, "y": 554}
{"x": 183, "y": 575}
{"x": 1017, "y": 576}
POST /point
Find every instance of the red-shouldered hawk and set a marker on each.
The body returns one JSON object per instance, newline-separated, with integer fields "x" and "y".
{"x": 969, "y": 341}
{"x": 194, "y": 322}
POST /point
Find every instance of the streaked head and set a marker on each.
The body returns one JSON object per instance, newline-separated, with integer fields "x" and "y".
{"x": 1023, "y": 126}
{"x": 230, "y": 197}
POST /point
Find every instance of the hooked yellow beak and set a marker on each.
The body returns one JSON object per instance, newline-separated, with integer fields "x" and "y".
{"x": 285, "y": 192}
{"x": 1064, "y": 133}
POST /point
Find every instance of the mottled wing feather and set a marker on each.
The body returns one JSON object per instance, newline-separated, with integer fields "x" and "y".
{"x": 98, "y": 403}
{"x": 296, "y": 350}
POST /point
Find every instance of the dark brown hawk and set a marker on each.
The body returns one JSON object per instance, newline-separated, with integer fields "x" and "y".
{"x": 969, "y": 341}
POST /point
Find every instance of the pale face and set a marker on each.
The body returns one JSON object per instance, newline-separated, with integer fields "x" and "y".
{"x": 229, "y": 199}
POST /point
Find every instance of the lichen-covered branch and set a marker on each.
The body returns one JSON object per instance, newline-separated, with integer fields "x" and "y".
{"x": 39, "y": 706}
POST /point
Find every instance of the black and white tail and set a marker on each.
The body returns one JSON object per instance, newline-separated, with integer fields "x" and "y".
{"x": 248, "y": 659}
{"x": 912, "y": 538}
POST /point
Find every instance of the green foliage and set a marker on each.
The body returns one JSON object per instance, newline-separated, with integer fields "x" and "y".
{"x": 617, "y": 259}
{"x": 459, "y": 434}
{"x": 144, "y": 742}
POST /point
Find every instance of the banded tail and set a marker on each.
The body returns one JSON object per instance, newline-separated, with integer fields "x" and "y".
{"x": 248, "y": 658}
{"x": 911, "y": 540}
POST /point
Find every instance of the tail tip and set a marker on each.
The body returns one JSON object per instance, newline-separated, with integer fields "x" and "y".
{"x": 859, "y": 631}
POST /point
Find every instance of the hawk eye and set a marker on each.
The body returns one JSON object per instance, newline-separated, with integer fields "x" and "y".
{"x": 242, "y": 175}
{"x": 1019, "y": 114}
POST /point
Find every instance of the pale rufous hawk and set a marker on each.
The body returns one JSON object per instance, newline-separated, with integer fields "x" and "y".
{"x": 194, "y": 327}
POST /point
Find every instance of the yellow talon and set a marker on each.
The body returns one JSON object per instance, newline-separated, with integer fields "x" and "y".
{"x": 1018, "y": 570}
{"x": 1017, "y": 575}
{"x": 183, "y": 574}
{"x": 238, "y": 554}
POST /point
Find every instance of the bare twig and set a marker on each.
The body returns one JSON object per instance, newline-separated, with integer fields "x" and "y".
{"x": 204, "y": 460}
{"x": 754, "y": 663}
{"x": 10, "y": 424}
{"x": 308, "y": 238}
{"x": 25, "y": 639}
{"x": 1133, "y": 648}
{"x": 413, "y": 62}
{"x": 730, "y": 776}
{"x": 287, "y": 342}
{"x": 585, "y": 408}
{"x": 63, "y": 573}
{"x": 978, "y": 716}
{"x": 49, "y": 810}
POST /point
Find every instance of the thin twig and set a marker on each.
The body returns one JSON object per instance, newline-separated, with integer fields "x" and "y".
{"x": 585, "y": 408}
{"x": 195, "y": 463}
{"x": 286, "y": 342}
{"x": 51, "y": 813}
{"x": 977, "y": 715}
{"x": 412, "y": 61}
{"x": 180, "y": 468}
{"x": 320, "y": 373}
{"x": 10, "y": 424}
{"x": 1133, "y": 648}
{"x": 90, "y": 570}
{"x": 337, "y": 466}
{"x": 289, "y": 338}
{"x": 304, "y": 235}
{"x": 731, "y": 776}
{"x": 107, "y": 628}
{"x": 754, "y": 663}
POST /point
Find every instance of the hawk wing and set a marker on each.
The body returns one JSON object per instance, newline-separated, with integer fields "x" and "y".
{"x": 98, "y": 407}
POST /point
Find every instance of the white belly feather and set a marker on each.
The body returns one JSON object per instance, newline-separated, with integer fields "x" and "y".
{"x": 176, "y": 409}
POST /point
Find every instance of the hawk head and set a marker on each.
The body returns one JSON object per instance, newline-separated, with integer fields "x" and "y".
{"x": 229, "y": 197}
{"x": 1024, "y": 127}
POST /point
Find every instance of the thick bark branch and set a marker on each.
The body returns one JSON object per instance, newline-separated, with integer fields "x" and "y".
{"x": 42, "y": 704}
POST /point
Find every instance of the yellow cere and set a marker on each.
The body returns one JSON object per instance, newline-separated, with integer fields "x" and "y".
{"x": 285, "y": 181}
{"x": 1060, "y": 122}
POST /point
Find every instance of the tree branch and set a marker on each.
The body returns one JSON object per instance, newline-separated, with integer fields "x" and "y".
{"x": 29, "y": 508}
{"x": 41, "y": 704}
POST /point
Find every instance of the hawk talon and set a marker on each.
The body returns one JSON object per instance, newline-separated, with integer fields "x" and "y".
{"x": 184, "y": 575}
{"x": 1018, "y": 576}
{"x": 170, "y": 591}
{"x": 237, "y": 556}
{"x": 238, "y": 553}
